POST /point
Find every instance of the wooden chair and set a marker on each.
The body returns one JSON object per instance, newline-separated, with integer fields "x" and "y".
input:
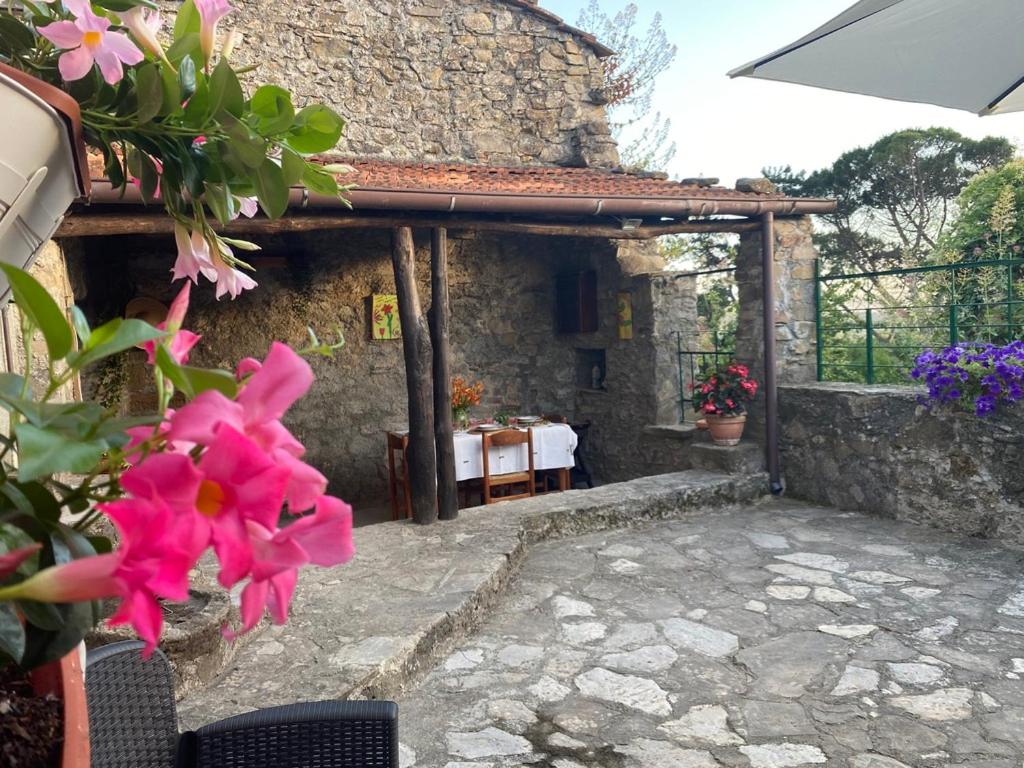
{"x": 509, "y": 481}
{"x": 552, "y": 480}
{"x": 398, "y": 476}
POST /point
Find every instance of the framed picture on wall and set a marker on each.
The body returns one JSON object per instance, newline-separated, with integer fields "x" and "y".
{"x": 625, "y": 315}
{"x": 384, "y": 324}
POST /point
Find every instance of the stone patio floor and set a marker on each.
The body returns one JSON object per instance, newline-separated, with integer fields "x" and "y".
{"x": 771, "y": 635}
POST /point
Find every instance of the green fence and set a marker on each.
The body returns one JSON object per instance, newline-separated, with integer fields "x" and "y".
{"x": 694, "y": 365}
{"x": 871, "y": 325}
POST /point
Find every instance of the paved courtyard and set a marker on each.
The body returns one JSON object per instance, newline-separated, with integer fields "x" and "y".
{"x": 773, "y": 635}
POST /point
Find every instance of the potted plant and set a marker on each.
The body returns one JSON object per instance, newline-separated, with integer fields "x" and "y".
{"x": 174, "y": 121}
{"x": 721, "y": 399}
{"x": 464, "y": 397}
{"x": 219, "y": 471}
{"x": 983, "y": 378}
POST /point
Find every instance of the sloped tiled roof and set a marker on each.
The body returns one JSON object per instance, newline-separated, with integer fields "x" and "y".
{"x": 542, "y": 181}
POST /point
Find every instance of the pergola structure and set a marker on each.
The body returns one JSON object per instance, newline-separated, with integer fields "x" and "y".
{"x": 536, "y": 200}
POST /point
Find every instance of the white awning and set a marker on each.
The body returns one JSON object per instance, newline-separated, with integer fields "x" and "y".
{"x": 964, "y": 54}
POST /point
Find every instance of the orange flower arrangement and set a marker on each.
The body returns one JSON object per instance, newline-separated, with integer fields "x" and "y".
{"x": 465, "y": 395}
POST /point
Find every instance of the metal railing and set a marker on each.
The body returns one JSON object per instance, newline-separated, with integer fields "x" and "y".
{"x": 873, "y": 342}
{"x": 694, "y": 365}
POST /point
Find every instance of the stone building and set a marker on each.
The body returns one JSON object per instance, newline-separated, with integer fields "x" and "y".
{"x": 486, "y": 117}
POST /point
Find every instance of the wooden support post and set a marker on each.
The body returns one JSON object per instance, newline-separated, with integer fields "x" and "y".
{"x": 416, "y": 346}
{"x": 440, "y": 318}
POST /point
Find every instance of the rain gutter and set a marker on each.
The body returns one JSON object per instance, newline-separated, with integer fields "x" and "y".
{"x": 513, "y": 203}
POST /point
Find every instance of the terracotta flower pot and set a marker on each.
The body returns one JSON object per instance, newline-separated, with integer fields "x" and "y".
{"x": 726, "y": 430}
{"x": 65, "y": 679}
{"x": 43, "y": 165}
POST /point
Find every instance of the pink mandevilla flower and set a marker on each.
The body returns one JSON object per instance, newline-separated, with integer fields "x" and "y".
{"x": 157, "y": 549}
{"x": 144, "y": 24}
{"x": 87, "y": 41}
{"x": 181, "y": 341}
{"x": 229, "y": 280}
{"x": 266, "y": 395}
{"x": 210, "y": 12}
{"x": 193, "y": 255}
{"x": 323, "y": 538}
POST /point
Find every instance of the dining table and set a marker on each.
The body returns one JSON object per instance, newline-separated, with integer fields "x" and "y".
{"x": 554, "y": 446}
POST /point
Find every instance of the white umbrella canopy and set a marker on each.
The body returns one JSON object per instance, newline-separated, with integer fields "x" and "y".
{"x": 964, "y": 54}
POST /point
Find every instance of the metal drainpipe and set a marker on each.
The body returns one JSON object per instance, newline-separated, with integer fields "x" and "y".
{"x": 771, "y": 389}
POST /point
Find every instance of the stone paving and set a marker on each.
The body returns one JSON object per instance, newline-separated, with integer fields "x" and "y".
{"x": 770, "y": 636}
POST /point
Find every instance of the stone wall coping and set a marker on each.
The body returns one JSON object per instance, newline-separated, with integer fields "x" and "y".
{"x": 906, "y": 391}
{"x": 374, "y": 627}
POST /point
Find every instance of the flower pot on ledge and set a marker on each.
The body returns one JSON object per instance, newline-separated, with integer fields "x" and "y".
{"x": 726, "y": 430}
{"x": 43, "y": 166}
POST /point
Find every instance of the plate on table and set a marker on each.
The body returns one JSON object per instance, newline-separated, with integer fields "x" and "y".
{"x": 527, "y": 420}
{"x": 488, "y": 427}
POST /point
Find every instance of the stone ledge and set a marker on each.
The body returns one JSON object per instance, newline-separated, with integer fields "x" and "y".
{"x": 671, "y": 431}
{"x": 909, "y": 391}
{"x": 374, "y": 627}
{"x": 744, "y": 458}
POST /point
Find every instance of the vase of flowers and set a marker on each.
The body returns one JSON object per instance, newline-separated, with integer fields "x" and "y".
{"x": 174, "y": 122}
{"x": 721, "y": 398}
{"x": 464, "y": 397}
{"x": 220, "y": 471}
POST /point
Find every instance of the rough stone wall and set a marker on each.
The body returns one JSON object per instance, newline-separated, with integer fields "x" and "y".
{"x": 641, "y": 385}
{"x": 503, "y": 333}
{"x": 794, "y": 307}
{"x": 873, "y": 448}
{"x": 478, "y": 80}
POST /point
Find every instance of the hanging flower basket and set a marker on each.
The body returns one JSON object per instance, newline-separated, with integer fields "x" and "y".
{"x": 43, "y": 166}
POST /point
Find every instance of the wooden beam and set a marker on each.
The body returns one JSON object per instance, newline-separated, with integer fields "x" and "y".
{"x": 440, "y": 320}
{"x": 416, "y": 346}
{"x": 133, "y": 222}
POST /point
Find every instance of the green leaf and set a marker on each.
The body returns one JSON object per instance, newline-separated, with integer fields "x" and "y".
{"x": 250, "y": 149}
{"x": 187, "y": 21}
{"x": 120, "y": 6}
{"x": 220, "y": 201}
{"x": 43, "y": 503}
{"x": 42, "y": 646}
{"x": 173, "y": 372}
{"x": 316, "y": 129}
{"x": 15, "y": 37}
{"x": 80, "y": 323}
{"x": 171, "y": 91}
{"x": 150, "y": 93}
{"x": 12, "y": 633}
{"x": 293, "y": 166}
{"x": 187, "y": 77}
{"x": 272, "y": 105}
{"x": 225, "y": 91}
{"x": 41, "y": 309}
{"x": 110, "y": 338}
{"x": 186, "y": 47}
{"x": 44, "y": 452}
{"x": 320, "y": 182}
{"x": 203, "y": 379}
{"x": 42, "y": 615}
{"x": 271, "y": 189}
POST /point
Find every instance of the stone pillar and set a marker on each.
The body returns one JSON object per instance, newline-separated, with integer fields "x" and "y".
{"x": 794, "y": 307}
{"x": 674, "y": 304}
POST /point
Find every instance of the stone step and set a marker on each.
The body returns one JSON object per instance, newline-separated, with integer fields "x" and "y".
{"x": 374, "y": 627}
{"x": 745, "y": 458}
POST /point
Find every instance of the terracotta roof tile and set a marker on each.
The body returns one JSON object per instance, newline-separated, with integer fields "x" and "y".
{"x": 547, "y": 181}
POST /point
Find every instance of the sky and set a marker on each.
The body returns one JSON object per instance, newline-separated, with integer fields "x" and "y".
{"x": 734, "y": 128}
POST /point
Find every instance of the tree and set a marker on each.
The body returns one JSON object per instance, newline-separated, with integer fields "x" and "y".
{"x": 630, "y": 77}
{"x": 896, "y": 202}
{"x": 895, "y": 197}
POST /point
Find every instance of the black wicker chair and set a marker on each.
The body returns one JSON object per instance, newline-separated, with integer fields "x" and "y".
{"x": 133, "y": 723}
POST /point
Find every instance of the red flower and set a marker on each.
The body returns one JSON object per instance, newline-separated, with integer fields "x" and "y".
{"x": 730, "y": 403}
{"x": 710, "y": 408}
{"x": 387, "y": 309}
{"x": 742, "y": 370}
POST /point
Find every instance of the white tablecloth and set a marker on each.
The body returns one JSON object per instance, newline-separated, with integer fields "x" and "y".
{"x": 553, "y": 446}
